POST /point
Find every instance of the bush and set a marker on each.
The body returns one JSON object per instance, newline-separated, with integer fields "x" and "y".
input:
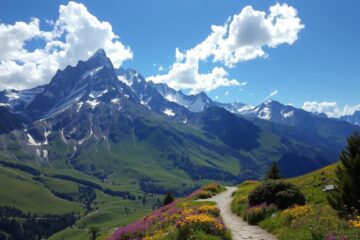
{"x": 213, "y": 188}
{"x": 204, "y": 194}
{"x": 256, "y": 214}
{"x": 282, "y": 194}
{"x": 169, "y": 198}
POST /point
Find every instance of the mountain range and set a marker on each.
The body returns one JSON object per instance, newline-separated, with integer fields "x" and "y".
{"x": 114, "y": 125}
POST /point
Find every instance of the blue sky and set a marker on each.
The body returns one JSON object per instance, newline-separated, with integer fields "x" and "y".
{"x": 322, "y": 65}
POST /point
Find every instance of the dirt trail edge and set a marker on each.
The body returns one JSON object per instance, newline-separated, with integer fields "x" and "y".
{"x": 240, "y": 229}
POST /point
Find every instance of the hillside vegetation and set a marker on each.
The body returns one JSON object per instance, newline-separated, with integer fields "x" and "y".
{"x": 40, "y": 196}
{"x": 315, "y": 220}
{"x": 184, "y": 218}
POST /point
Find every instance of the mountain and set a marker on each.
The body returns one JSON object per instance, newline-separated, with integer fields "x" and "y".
{"x": 329, "y": 128}
{"x": 17, "y": 101}
{"x": 116, "y": 137}
{"x": 353, "y": 119}
{"x": 161, "y": 98}
{"x": 85, "y": 84}
{"x": 236, "y": 107}
{"x": 109, "y": 123}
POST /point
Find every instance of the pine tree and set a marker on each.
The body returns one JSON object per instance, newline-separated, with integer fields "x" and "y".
{"x": 169, "y": 198}
{"x": 346, "y": 196}
{"x": 93, "y": 232}
{"x": 273, "y": 172}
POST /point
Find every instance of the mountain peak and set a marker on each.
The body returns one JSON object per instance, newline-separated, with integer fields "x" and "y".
{"x": 100, "y": 58}
{"x": 100, "y": 52}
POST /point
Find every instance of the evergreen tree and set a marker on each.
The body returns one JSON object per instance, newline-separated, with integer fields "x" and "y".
{"x": 93, "y": 232}
{"x": 345, "y": 198}
{"x": 169, "y": 198}
{"x": 273, "y": 172}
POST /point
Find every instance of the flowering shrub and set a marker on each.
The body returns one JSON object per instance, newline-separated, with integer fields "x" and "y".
{"x": 355, "y": 223}
{"x": 178, "y": 220}
{"x": 297, "y": 212}
{"x": 255, "y": 214}
{"x": 213, "y": 210}
{"x": 205, "y": 222}
{"x": 207, "y": 192}
{"x": 212, "y": 187}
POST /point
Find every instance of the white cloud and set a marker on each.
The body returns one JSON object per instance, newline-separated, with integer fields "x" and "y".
{"x": 331, "y": 109}
{"x": 241, "y": 38}
{"x": 76, "y": 35}
{"x": 272, "y": 93}
{"x": 226, "y": 93}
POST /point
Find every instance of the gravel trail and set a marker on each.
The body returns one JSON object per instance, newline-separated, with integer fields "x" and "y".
{"x": 240, "y": 229}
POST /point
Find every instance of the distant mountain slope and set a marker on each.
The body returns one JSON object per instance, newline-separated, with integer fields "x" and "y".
{"x": 116, "y": 126}
{"x": 353, "y": 119}
{"x": 332, "y": 129}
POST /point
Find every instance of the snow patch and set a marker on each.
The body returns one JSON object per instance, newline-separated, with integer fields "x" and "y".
{"x": 93, "y": 103}
{"x": 245, "y": 109}
{"x": 115, "y": 101}
{"x": 287, "y": 114}
{"x": 38, "y": 153}
{"x": 91, "y": 72}
{"x": 45, "y": 154}
{"x": 46, "y": 134}
{"x": 96, "y": 94}
{"x": 63, "y": 136}
{"x": 265, "y": 113}
{"x": 125, "y": 80}
{"x": 79, "y": 106}
{"x": 31, "y": 141}
{"x": 169, "y": 112}
{"x": 12, "y": 96}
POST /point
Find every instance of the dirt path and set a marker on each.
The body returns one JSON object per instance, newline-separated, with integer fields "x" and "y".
{"x": 240, "y": 229}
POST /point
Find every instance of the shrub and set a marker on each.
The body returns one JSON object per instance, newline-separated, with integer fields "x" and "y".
{"x": 204, "y": 222}
{"x": 204, "y": 194}
{"x": 213, "y": 188}
{"x": 277, "y": 192}
{"x": 256, "y": 214}
{"x": 297, "y": 212}
{"x": 169, "y": 198}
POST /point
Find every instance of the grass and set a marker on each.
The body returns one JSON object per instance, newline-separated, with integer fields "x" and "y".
{"x": 17, "y": 189}
{"x": 296, "y": 223}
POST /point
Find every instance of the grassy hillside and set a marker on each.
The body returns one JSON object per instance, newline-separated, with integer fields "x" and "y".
{"x": 32, "y": 190}
{"x": 315, "y": 220}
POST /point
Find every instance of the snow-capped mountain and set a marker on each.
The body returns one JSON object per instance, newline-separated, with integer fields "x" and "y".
{"x": 195, "y": 103}
{"x": 236, "y": 107}
{"x": 90, "y": 83}
{"x": 17, "y": 101}
{"x": 90, "y": 113}
{"x": 148, "y": 91}
{"x": 275, "y": 112}
{"x": 353, "y": 119}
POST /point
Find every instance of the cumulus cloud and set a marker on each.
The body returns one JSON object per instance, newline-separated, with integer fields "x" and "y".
{"x": 242, "y": 38}
{"x": 76, "y": 35}
{"x": 272, "y": 93}
{"x": 331, "y": 109}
